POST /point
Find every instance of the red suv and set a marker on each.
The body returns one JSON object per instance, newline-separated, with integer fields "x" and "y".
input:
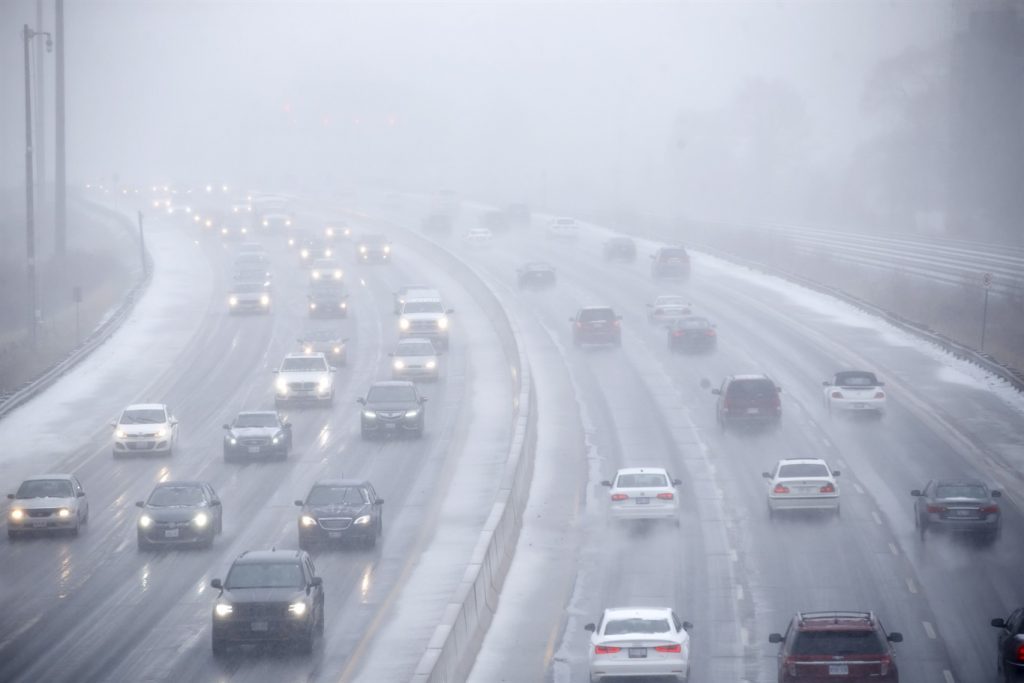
{"x": 851, "y": 647}
{"x": 596, "y": 325}
{"x": 748, "y": 399}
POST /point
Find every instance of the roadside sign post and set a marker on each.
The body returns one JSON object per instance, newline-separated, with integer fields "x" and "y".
{"x": 986, "y": 282}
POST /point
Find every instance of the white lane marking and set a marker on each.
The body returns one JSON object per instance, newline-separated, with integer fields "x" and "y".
{"x": 739, "y": 592}
{"x": 929, "y": 629}
{"x": 878, "y": 520}
{"x": 733, "y": 555}
{"x": 744, "y": 636}
{"x": 911, "y": 586}
{"x": 894, "y": 549}
{"x": 948, "y": 675}
{"x": 858, "y": 487}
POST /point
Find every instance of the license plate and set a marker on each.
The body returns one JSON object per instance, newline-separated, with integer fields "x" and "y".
{"x": 643, "y": 501}
{"x": 389, "y": 425}
{"x": 254, "y": 449}
{"x": 171, "y": 533}
{"x": 334, "y": 534}
{"x": 753, "y": 411}
{"x": 962, "y": 513}
{"x": 860, "y": 406}
{"x": 259, "y": 626}
{"x": 39, "y": 525}
{"x": 637, "y": 652}
{"x": 838, "y": 670}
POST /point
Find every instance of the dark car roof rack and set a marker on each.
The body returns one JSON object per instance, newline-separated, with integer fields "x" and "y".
{"x": 834, "y": 616}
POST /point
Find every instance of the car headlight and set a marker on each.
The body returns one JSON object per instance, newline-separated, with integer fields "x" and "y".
{"x": 403, "y": 323}
{"x": 329, "y": 232}
{"x": 312, "y": 305}
{"x": 161, "y": 433}
{"x": 245, "y": 231}
{"x": 64, "y": 513}
{"x": 201, "y": 520}
{"x": 347, "y": 232}
{"x": 223, "y": 609}
{"x": 316, "y": 274}
{"x": 362, "y": 520}
{"x": 121, "y": 434}
{"x": 288, "y": 222}
{"x": 145, "y": 521}
{"x": 337, "y": 275}
{"x": 431, "y": 364}
{"x": 233, "y": 441}
{"x": 412, "y": 413}
{"x": 275, "y": 440}
{"x": 369, "y": 414}
{"x": 209, "y": 223}
{"x": 291, "y": 241}
{"x": 264, "y": 300}
{"x": 282, "y": 385}
{"x": 297, "y": 608}
{"x": 387, "y": 248}
{"x": 307, "y": 520}
{"x": 442, "y": 323}
{"x": 307, "y": 349}
{"x": 328, "y": 253}
{"x": 399, "y": 364}
{"x": 343, "y": 305}
{"x": 17, "y": 514}
{"x": 266, "y": 223}
{"x": 337, "y": 349}
{"x": 304, "y": 253}
{"x": 233, "y": 301}
{"x": 223, "y": 231}
{"x": 362, "y": 248}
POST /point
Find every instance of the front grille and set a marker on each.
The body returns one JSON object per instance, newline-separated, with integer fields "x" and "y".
{"x": 40, "y": 513}
{"x": 423, "y": 325}
{"x": 335, "y": 523}
{"x": 391, "y": 415}
{"x": 254, "y": 441}
{"x": 261, "y": 610}
{"x": 302, "y": 386}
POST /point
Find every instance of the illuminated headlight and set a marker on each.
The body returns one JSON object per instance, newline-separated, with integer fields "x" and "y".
{"x": 343, "y": 305}
{"x": 201, "y": 520}
{"x": 348, "y": 232}
{"x": 403, "y": 324}
{"x": 327, "y": 253}
{"x": 161, "y": 433}
{"x": 233, "y": 441}
{"x": 291, "y": 240}
{"x": 223, "y": 188}
{"x": 431, "y": 364}
{"x": 307, "y": 520}
{"x": 399, "y": 364}
{"x": 266, "y": 223}
{"x": 245, "y": 231}
{"x": 64, "y": 513}
{"x": 442, "y": 323}
{"x": 209, "y": 223}
{"x": 145, "y": 521}
{"x": 387, "y": 248}
{"x": 304, "y": 253}
{"x": 282, "y": 385}
{"x": 307, "y": 349}
{"x": 337, "y": 275}
{"x": 170, "y": 211}
{"x": 297, "y": 608}
{"x": 288, "y": 222}
{"x": 264, "y": 300}
{"x": 223, "y": 609}
{"x": 17, "y": 514}
{"x": 234, "y": 209}
{"x": 336, "y": 349}
{"x": 369, "y": 414}
{"x": 412, "y": 413}
{"x": 329, "y": 232}
{"x": 209, "y": 188}
{"x": 233, "y": 301}
{"x": 362, "y": 248}
{"x": 223, "y": 231}
{"x": 362, "y": 520}
{"x": 316, "y": 274}
{"x": 121, "y": 434}
{"x": 156, "y": 204}
{"x": 323, "y": 385}
{"x": 188, "y": 209}
{"x": 312, "y": 307}
{"x": 275, "y": 440}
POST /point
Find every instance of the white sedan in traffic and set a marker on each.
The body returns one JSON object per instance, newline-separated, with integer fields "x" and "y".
{"x": 648, "y": 642}
{"x": 855, "y": 391}
{"x": 802, "y": 484}
{"x": 643, "y": 493}
{"x": 668, "y": 308}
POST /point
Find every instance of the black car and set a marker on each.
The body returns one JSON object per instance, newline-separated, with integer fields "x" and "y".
{"x": 536, "y": 275}
{"x": 596, "y": 325}
{"x": 180, "y": 513}
{"x": 1010, "y": 647}
{"x": 393, "y": 407}
{"x": 373, "y": 249}
{"x": 312, "y": 248}
{"x": 621, "y": 249}
{"x": 749, "y": 400}
{"x": 670, "y": 262}
{"x": 257, "y": 434}
{"x": 339, "y": 510}
{"x": 328, "y": 299}
{"x": 960, "y": 505}
{"x": 693, "y": 333}
{"x": 269, "y": 596}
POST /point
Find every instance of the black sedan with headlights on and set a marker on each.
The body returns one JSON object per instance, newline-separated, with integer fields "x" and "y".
{"x": 338, "y": 510}
{"x": 180, "y": 513}
{"x": 392, "y": 408}
{"x": 257, "y": 434}
{"x": 328, "y": 342}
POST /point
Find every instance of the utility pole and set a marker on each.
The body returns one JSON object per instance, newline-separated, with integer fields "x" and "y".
{"x": 30, "y": 228}
{"x": 60, "y": 178}
{"x": 40, "y": 123}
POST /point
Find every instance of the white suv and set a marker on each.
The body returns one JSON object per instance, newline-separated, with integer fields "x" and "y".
{"x": 145, "y": 428}
{"x": 425, "y": 318}
{"x": 643, "y": 493}
{"x": 304, "y": 377}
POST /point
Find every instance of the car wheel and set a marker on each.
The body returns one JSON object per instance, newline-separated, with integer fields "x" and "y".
{"x": 144, "y": 545}
{"x": 74, "y": 529}
{"x": 12, "y": 535}
{"x": 220, "y": 648}
{"x": 320, "y": 623}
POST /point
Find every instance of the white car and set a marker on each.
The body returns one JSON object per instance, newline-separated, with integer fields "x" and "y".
{"x": 248, "y": 297}
{"x": 304, "y": 378}
{"x": 802, "y": 484}
{"x": 145, "y": 428}
{"x": 563, "y": 229}
{"x": 855, "y": 391}
{"x": 425, "y": 318}
{"x": 668, "y": 308}
{"x": 643, "y": 493}
{"x": 47, "y": 502}
{"x": 325, "y": 269}
{"x": 642, "y": 642}
{"x": 478, "y": 237}
{"x": 415, "y": 358}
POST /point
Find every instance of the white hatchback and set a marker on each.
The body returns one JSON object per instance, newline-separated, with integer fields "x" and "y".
{"x": 855, "y": 391}
{"x": 802, "y": 484}
{"x": 643, "y": 493}
{"x": 145, "y": 428}
{"x": 668, "y": 308}
{"x": 648, "y": 642}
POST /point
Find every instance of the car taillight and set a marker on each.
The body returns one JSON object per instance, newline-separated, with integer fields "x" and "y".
{"x": 936, "y": 508}
{"x": 1020, "y": 652}
{"x": 617, "y": 323}
{"x": 620, "y": 496}
{"x": 837, "y": 394}
{"x": 666, "y": 496}
{"x": 668, "y": 648}
{"x": 879, "y": 394}
{"x": 679, "y": 333}
{"x": 779, "y": 488}
{"x": 790, "y": 664}
{"x": 884, "y": 663}
{"x": 606, "y": 650}
{"x": 990, "y": 509}
{"x": 711, "y": 333}
{"x": 828, "y": 488}
{"x": 776, "y": 402}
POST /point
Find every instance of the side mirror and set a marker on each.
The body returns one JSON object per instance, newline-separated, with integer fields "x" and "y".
{"x": 590, "y": 627}
{"x": 895, "y": 637}
{"x": 997, "y": 494}
{"x": 916, "y": 493}
{"x": 80, "y": 494}
{"x": 881, "y": 384}
{"x": 391, "y": 354}
{"x": 299, "y": 503}
{"x": 274, "y": 371}
{"x": 999, "y": 623}
{"x": 826, "y": 383}
{"x": 775, "y": 638}
{"x": 687, "y": 626}
{"x": 836, "y": 473}
{"x": 450, "y": 311}
{"x": 333, "y": 369}
{"x": 140, "y": 504}
{"x": 173, "y": 421}
{"x": 618, "y": 317}
{"x": 766, "y": 475}
{"x": 227, "y": 426}
{"x": 215, "y": 502}
{"x": 317, "y": 581}
{"x": 677, "y": 482}
{"x": 379, "y": 501}
{"x": 716, "y": 392}
{"x": 11, "y": 496}
{"x": 572, "y": 320}
{"x": 287, "y": 425}
{"x": 705, "y": 383}
{"x": 216, "y": 583}
{"x": 423, "y": 399}
{"x": 606, "y": 483}
{"x": 113, "y": 423}
{"x": 361, "y": 400}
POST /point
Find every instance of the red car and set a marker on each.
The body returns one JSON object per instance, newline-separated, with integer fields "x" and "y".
{"x": 596, "y": 325}
{"x": 851, "y": 647}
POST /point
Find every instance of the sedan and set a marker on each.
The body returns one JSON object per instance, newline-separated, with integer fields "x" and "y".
{"x": 324, "y": 269}
{"x": 392, "y": 408}
{"x": 692, "y": 333}
{"x": 47, "y": 502}
{"x": 961, "y": 505}
{"x": 668, "y": 308}
{"x": 536, "y": 275}
{"x": 338, "y": 510}
{"x": 328, "y": 342}
{"x": 647, "y": 642}
{"x": 802, "y": 484}
{"x": 478, "y": 237}
{"x": 180, "y": 513}
{"x": 643, "y": 493}
{"x": 415, "y": 358}
{"x": 854, "y": 391}
{"x": 257, "y": 434}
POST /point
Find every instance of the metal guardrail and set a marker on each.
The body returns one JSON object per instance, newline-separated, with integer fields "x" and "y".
{"x": 100, "y": 334}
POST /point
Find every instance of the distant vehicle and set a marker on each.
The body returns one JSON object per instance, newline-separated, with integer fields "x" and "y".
{"x": 337, "y": 230}
{"x": 252, "y": 248}
{"x": 145, "y": 428}
{"x": 394, "y": 407}
{"x": 276, "y": 219}
{"x": 692, "y": 333}
{"x": 374, "y": 249}
{"x": 241, "y": 206}
{"x": 328, "y": 300}
{"x": 307, "y": 378}
{"x": 209, "y": 219}
{"x": 959, "y": 505}
{"x": 643, "y": 493}
{"x": 339, "y": 510}
{"x": 413, "y": 292}
{"x": 1010, "y": 647}
{"x": 854, "y": 391}
{"x": 269, "y": 596}
{"x": 518, "y": 213}
{"x": 668, "y": 308}
{"x": 311, "y": 249}
{"x": 436, "y": 224}
{"x": 802, "y": 484}
{"x": 749, "y": 400}
{"x": 248, "y": 297}
{"x": 670, "y": 262}
{"x": 622, "y": 249}
{"x": 325, "y": 269}
{"x": 329, "y": 342}
{"x": 177, "y": 208}
{"x": 47, "y": 503}
{"x": 415, "y": 358}
{"x": 596, "y": 325}
{"x": 180, "y": 513}
{"x": 425, "y": 318}
{"x": 233, "y": 231}
{"x": 257, "y": 434}
{"x": 536, "y": 275}
{"x": 640, "y": 642}
{"x": 478, "y": 237}
{"x": 846, "y": 646}
{"x": 563, "y": 229}
{"x": 495, "y": 221}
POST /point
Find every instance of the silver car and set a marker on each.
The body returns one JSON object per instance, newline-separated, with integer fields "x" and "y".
{"x": 145, "y": 428}
{"x": 960, "y": 505}
{"x": 47, "y": 502}
{"x": 415, "y": 358}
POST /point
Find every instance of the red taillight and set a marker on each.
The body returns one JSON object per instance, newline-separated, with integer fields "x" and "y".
{"x": 837, "y": 394}
{"x": 1020, "y": 652}
{"x": 617, "y": 323}
{"x": 579, "y": 324}
{"x": 620, "y": 496}
{"x": 679, "y": 333}
{"x": 711, "y": 333}
{"x": 776, "y": 402}
{"x": 668, "y": 648}
{"x": 885, "y": 662}
{"x": 790, "y": 664}
{"x": 879, "y": 394}
{"x": 934, "y": 509}
{"x": 666, "y": 496}
{"x": 606, "y": 650}
{"x": 828, "y": 488}
{"x": 990, "y": 509}
{"x": 779, "y": 488}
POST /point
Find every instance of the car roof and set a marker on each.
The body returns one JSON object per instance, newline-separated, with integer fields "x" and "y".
{"x": 265, "y": 556}
{"x": 836, "y": 621}
{"x": 960, "y": 482}
{"x": 748, "y": 377}
{"x": 662, "y": 297}
{"x": 169, "y": 484}
{"x": 55, "y": 475}
{"x": 802, "y": 461}
{"x": 637, "y": 613}
{"x": 341, "y": 482}
{"x": 393, "y": 383}
{"x": 304, "y": 355}
{"x": 596, "y": 308}
{"x": 419, "y": 299}
{"x": 146, "y": 406}
{"x": 642, "y": 470}
{"x": 414, "y": 341}
{"x": 258, "y": 412}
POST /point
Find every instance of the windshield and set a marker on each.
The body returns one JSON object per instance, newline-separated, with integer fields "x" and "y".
{"x": 620, "y": 626}
{"x": 593, "y": 314}
{"x": 321, "y": 335}
{"x": 147, "y": 416}
{"x": 804, "y": 469}
{"x": 268, "y": 575}
{"x": 305, "y": 364}
{"x": 391, "y": 394}
{"x": 838, "y": 643}
{"x": 245, "y": 420}
{"x": 424, "y": 348}
{"x": 751, "y": 389}
{"x": 175, "y": 496}
{"x": 423, "y": 307}
{"x": 45, "y": 488}
{"x": 337, "y": 495}
{"x": 856, "y": 379}
{"x": 646, "y": 480}
{"x": 247, "y": 287}
{"x": 960, "y": 491}
{"x": 694, "y": 324}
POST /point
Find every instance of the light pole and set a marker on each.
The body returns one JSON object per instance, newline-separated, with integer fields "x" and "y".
{"x": 60, "y": 177}
{"x": 30, "y": 228}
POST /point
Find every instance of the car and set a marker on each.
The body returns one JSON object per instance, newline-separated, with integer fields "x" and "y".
{"x": 854, "y": 391}
{"x": 667, "y": 308}
{"x": 1010, "y": 647}
{"x": 257, "y": 434}
{"x": 176, "y": 208}
{"x": 254, "y": 274}
{"x": 426, "y": 318}
{"x": 852, "y": 647}
{"x": 802, "y": 484}
{"x": 413, "y": 292}
{"x": 269, "y": 596}
{"x": 209, "y": 219}
{"x": 306, "y": 378}
{"x": 692, "y": 333}
{"x": 536, "y": 275}
{"x": 241, "y": 206}
{"x": 248, "y": 297}
{"x": 495, "y": 221}
{"x": 145, "y": 428}
{"x": 252, "y": 248}
{"x": 339, "y": 510}
{"x": 643, "y": 493}
{"x": 436, "y": 223}
{"x": 478, "y": 237}
{"x": 336, "y": 230}
{"x": 47, "y": 503}
{"x": 639, "y": 642}
{"x": 415, "y": 358}
{"x": 518, "y": 213}
{"x": 324, "y": 269}
{"x": 276, "y": 219}
{"x": 327, "y": 299}
{"x": 373, "y": 249}
{"x": 179, "y": 513}
{"x": 596, "y": 325}
{"x": 959, "y": 505}
{"x": 394, "y": 407}
{"x": 311, "y": 249}
{"x": 670, "y": 262}
{"x": 619, "y": 248}
{"x": 563, "y": 229}
{"x": 233, "y": 230}
{"x": 748, "y": 400}
{"x": 328, "y": 342}
{"x": 250, "y": 260}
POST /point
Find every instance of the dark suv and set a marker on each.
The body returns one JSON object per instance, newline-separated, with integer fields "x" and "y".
{"x": 340, "y": 509}
{"x": 670, "y": 262}
{"x": 848, "y": 646}
{"x": 621, "y": 249}
{"x": 748, "y": 399}
{"x": 269, "y": 596}
{"x": 596, "y": 325}
{"x": 1010, "y": 647}
{"x": 392, "y": 408}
